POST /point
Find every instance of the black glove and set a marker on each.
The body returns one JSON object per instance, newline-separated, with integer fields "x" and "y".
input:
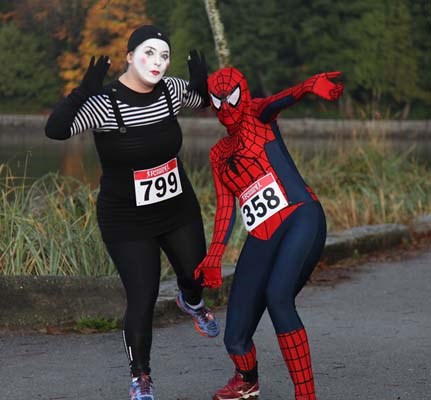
{"x": 61, "y": 119}
{"x": 198, "y": 72}
{"x": 92, "y": 82}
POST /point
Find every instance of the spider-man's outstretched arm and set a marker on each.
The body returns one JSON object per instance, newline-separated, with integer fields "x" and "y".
{"x": 210, "y": 266}
{"x": 267, "y": 109}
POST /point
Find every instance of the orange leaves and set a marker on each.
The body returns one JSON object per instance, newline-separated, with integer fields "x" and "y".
{"x": 70, "y": 71}
{"x": 107, "y": 27}
{"x": 74, "y": 30}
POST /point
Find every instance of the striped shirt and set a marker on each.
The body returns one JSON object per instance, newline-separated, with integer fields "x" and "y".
{"x": 97, "y": 112}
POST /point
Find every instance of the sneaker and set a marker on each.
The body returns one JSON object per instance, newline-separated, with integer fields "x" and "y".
{"x": 205, "y": 321}
{"x": 238, "y": 389}
{"x": 142, "y": 388}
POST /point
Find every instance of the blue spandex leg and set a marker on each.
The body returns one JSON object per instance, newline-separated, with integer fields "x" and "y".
{"x": 270, "y": 273}
{"x": 297, "y": 255}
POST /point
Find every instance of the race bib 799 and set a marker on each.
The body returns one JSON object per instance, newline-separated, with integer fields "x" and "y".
{"x": 157, "y": 184}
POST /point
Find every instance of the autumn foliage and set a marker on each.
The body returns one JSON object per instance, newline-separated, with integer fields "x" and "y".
{"x": 58, "y": 20}
{"x": 106, "y": 30}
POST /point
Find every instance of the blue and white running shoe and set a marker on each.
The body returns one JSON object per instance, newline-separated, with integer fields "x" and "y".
{"x": 204, "y": 320}
{"x": 142, "y": 388}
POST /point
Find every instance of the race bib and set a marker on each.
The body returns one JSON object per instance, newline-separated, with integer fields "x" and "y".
{"x": 260, "y": 201}
{"x": 157, "y": 184}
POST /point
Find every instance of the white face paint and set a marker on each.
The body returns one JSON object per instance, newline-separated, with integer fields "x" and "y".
{"x": 151, "y": 60}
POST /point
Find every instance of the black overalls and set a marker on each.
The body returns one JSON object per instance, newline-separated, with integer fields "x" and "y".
{"x": 130, "y": 149}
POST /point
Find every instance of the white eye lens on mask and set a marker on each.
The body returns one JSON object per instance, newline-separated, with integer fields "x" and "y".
{"x": 216, "y": 102}
{"x": 234, "y": 97}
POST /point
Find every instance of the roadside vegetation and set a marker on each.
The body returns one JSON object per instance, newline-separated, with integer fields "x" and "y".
{"x": 48, "y": 226}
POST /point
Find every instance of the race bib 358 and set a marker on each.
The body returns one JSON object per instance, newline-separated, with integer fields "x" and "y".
{"x": 261, "y": 200}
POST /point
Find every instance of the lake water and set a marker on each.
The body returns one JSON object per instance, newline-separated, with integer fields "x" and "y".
{"x": 28, "y": 151}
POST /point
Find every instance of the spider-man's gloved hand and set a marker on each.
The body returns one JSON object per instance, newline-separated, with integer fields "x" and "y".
{"x": 321, "y": 85}
{"x": 198, "y": 72}
{"x": 92, "y": 82}
{"x": 210, "y": 267}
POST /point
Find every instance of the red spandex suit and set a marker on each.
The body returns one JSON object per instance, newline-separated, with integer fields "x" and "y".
{"x": 285, "y": 223}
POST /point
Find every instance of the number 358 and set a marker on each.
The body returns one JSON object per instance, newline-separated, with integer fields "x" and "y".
{"x": 260, "y": 205}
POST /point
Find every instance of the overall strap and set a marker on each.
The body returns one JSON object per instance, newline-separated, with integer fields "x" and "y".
{"x": 165, "y": 90}
{"x": 121, "y": 126}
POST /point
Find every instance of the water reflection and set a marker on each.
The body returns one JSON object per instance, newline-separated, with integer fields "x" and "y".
{"x": 30, "y": 153}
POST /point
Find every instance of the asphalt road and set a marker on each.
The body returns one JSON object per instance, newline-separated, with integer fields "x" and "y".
{"x": 370, "y": 337}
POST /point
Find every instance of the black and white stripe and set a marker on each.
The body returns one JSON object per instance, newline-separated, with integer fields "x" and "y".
{"x": 97, "y": 112}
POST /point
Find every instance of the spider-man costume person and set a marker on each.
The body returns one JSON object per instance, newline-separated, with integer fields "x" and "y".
{"x": 286, "y": 224}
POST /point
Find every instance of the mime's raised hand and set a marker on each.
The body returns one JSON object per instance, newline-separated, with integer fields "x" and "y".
{"x": 198, "y": 72}
{"x": 92, "y": 82}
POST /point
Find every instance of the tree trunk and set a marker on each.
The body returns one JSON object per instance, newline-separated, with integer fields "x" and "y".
{"x": 217, "y": 28}
{"x": 406, "y": 111}
{"x": 346, "y": 105}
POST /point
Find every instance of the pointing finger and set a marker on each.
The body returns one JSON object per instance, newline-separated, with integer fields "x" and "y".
{"x": 333, "y": 74}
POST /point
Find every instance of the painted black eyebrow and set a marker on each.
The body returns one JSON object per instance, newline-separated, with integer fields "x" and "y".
{"x": 153, "y": 48}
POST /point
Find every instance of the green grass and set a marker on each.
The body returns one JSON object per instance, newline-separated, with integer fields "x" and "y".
{"x": 86, "y": 324}
{"x": 48, "y": 226}
{"x": 369, "y": 184}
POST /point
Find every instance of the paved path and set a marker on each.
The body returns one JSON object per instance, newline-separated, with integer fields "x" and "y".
{"x": 370, "y": 338}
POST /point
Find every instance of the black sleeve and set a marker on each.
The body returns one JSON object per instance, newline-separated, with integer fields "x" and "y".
{"x": 61, "y": 119}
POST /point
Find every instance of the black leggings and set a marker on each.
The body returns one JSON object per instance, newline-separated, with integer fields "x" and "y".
{"x": 138, "y": 264}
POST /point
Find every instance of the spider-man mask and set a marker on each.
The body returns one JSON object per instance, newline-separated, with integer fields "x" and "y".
{"x": 229, "y": 97}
